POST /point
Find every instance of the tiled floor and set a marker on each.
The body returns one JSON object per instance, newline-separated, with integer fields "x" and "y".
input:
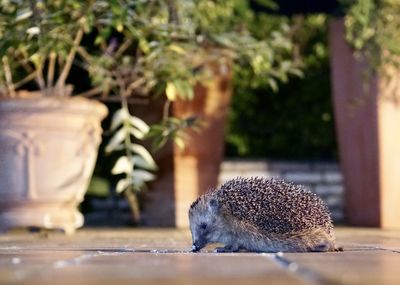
{"x": 137, "y": 256}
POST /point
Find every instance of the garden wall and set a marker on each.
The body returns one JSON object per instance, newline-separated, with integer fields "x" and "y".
{"x": 322, "y": 178}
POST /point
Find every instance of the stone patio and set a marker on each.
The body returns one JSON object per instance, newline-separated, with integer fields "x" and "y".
{"x": 160, "y": 256}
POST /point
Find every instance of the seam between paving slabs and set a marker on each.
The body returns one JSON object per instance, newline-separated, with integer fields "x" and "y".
{"x": 304, "y": 273}
{"x": 388, "y": 249}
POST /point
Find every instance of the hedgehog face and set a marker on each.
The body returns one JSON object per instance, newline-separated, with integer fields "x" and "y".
{"x": 204, "y": 222}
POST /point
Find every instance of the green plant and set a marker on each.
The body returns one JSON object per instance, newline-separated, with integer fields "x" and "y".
{"x": 171, "y": 42}
{"x": 139, "y": 48}
{"x": 157, "y": 47}
{"x": 372, "y": 29}
{"x": 297, "y": 120}
{"x": 39, "y": 40}
{"x": 136, "y": 163}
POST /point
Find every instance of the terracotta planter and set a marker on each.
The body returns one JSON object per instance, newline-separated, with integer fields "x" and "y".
{"x": 184, "y": 175}
{"x": 368, "y": 131}
{"x": 48, "y": 151}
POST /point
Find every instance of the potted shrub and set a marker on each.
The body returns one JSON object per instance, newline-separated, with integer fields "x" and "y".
{"x": 48, "y": 139}
{"x": 365, "y": 60}
{"x": 187, "y": 51}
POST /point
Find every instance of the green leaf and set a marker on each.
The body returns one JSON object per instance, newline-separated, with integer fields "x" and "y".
{"x": 143, "y": 176}
{"x": 144, "y": 153}
{"x": 137, "y": 133}
{"x": 159, "y": 142}
{"x": 116, "y": 141}
{"x": 122, "y": 185}
{"x": 144, "y": 46}
{"x": 189, "y": 92}
{"x": 184, "y": 89}
{"x": 98, "y": 40}
{"x": 268, "y": 4}
{"x": 139, "y": 124}
{"x": 140, "y": 162}
{"x": 118, "y": 118}
{"x": 36, "y": 59}
{"x": 272, "y": 83}
{"x": 171, "y": 91}
{"x": 120, "y": 27}
{"x": 99, "y": 187}
{"x": 177, "y": 49}
{"x": 23, "y": 14}
{"x": 179, "y": 142}
{"x": 123, "y": 165}
{"x": 297, "y": 72}
{"x": 33, "y": 31}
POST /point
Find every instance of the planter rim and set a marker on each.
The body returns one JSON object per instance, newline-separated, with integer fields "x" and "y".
{"x": 73, "y": 105}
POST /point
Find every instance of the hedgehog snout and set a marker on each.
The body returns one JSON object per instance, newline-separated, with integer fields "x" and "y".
{"x": 195, "y": 248}
{"x": 198, "y": 245}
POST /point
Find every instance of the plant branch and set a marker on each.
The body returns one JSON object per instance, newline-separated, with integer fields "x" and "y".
{"x": 60, "y": 61}
{"x": 129, "y": 100}
{"x": 92, "y": 92}
{"x": 173, "y": 17}
{"x": 23, "y": 60}
{"x": 83, "y": 53}
{"x": 51, "y": 68}
{"x": 39, "y": 76}
{"x": 24, "y": 63}
{"x": 70, "y": 58}
{"x": 134, "y": 85}
{"x": 123, "y": 48}
{"x": 167, "y": 106}
{"x": 8, "y": 75}
{"x": 134, "y": 204}
{"x": 28, "y": 78}
{"x": 106, "y": 89}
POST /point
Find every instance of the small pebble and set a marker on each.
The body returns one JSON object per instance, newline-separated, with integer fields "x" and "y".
{"x": 16, "y": 260}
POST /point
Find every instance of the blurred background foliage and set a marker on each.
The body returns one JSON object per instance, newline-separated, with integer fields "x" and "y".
{"x": 289, "y": 118}
{"x": 292, "y": 121}
{"x": 296, "y": 121}
{"x": 277, "y": 112}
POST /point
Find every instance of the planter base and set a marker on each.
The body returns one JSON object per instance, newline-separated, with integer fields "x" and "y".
{"x": 41, "y": 215}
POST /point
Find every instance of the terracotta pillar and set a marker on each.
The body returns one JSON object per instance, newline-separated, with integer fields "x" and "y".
{"x": 197, "y": 167}
{"x": 368, "y": 133}
{"x": 184, "y": 175}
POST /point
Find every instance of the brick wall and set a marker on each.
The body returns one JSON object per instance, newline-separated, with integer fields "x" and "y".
{"x": 322, "y": 178}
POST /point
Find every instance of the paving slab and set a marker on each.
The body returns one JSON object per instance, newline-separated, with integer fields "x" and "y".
{"x": 353, "y": 268}
{"x": 162, "y": 256}
{"x": 127, "y": 257}
{"x": 101, "y": 239}
{"x": 141, "y": 268}
{"x": 368, "y": 238}
{"x": 370, "y": 256}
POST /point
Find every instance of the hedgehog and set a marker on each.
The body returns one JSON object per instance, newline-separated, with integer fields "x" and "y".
{"x": 261, "y": 215}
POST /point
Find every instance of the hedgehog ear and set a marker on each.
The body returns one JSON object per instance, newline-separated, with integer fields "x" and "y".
{"x": 214, "y": 205}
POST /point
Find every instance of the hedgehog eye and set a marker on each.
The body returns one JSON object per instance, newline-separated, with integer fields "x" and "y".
{"x": 203, "y": 226}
